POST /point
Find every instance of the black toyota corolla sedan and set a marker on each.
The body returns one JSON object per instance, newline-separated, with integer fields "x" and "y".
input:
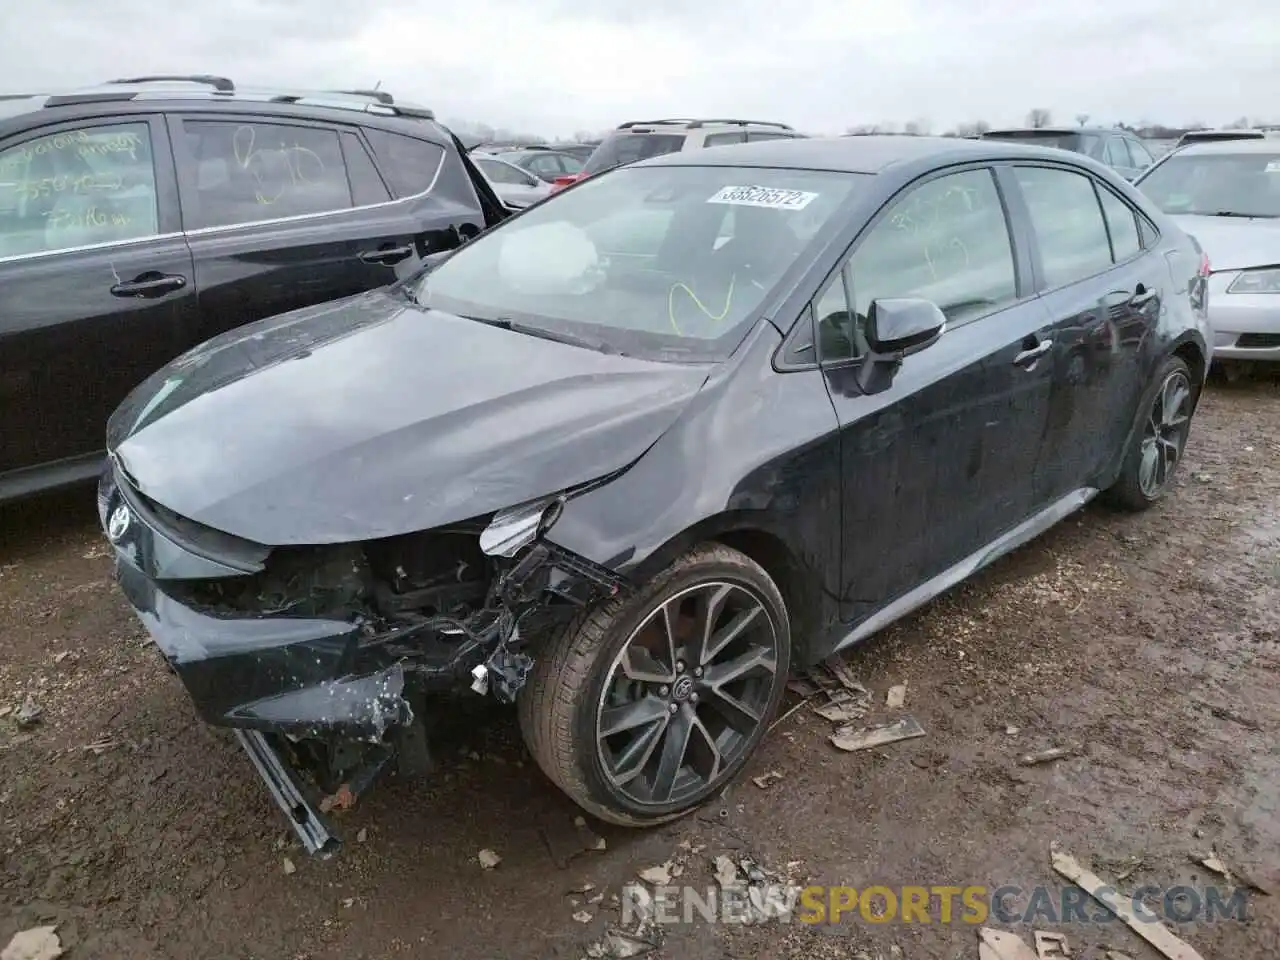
{"x": 628, "y": 457}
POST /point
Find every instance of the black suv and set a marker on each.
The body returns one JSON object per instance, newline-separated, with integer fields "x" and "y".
{"x": 142, "y": 217}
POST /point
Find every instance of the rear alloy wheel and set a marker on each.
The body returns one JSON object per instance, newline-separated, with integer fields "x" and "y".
{"x": 1159, "y": 443}
{"x": 645, "y": 707}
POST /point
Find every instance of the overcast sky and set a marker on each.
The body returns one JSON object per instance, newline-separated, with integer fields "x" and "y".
{"x": 555, "y": 66}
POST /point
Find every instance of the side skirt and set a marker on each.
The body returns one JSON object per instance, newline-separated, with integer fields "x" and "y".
{"x": 1024, "y": 532}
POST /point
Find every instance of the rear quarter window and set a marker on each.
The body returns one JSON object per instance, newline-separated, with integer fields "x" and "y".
{"x": 410, "y": 164}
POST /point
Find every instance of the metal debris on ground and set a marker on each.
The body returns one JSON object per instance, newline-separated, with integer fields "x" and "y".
{"x": 29, "y": 714}
{"x": 1051, "y": 946}
{"x": 637, "y": 941}
{"x": 1001, "y": 945}
{"x": 584, "y": 916}
{"x": 37, "y": 943}
{"x": 287, "y": 866}
{"x": 1233, "y": 875}
{"x": 362, "y": 835}
{"x": 99, "y": 746}
{"x": 850, "y": 738}
{"x": 896, "y": 698}
{"x": 1046, "y": 756}
{"x": 1105, "y": 893}
{"x": 766, "y": 780}
{"x": 488, "y": 859}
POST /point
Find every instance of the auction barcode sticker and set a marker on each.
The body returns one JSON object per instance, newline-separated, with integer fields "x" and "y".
{"x": 764, "y": 197}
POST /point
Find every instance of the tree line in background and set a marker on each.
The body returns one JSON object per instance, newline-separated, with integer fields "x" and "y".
{"x": 1036, "y": 118}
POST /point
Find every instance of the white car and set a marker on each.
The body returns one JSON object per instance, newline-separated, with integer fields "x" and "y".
{"x": 1227, "y": 195}
{"x": 515, "y": 187}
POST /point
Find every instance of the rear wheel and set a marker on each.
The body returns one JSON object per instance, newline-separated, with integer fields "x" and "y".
{"x": 1157, "y": 446}
{"x": 643, "y": 708}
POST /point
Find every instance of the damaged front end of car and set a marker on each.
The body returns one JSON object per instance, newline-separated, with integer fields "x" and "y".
{"x": 323, "y": 658}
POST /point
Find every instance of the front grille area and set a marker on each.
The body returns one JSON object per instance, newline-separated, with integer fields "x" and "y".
{"x": 1258, "y": 341}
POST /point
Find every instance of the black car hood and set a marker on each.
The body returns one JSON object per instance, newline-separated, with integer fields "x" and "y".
{"x": 371, "y": 417}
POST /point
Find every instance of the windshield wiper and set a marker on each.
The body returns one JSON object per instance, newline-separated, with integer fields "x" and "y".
{"x": 1245, "y": 216}
{"x": 559, "y": 336}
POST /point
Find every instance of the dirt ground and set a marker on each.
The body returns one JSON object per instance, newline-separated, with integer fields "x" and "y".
{"x": 1152, "y": 643}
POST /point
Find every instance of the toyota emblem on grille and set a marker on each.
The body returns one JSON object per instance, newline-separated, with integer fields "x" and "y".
{"x": 118, "y": 523}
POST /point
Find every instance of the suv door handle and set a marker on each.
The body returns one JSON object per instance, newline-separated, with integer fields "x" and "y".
{"x": 387, "y": 255}
{"x": 149, "y": 285}
{"x": 1028, "y": 357}
{"x": 1142, "y": 295}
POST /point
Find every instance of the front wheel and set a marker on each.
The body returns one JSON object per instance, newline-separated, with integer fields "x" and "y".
{"x": 647, "y": 706}
{"x": 1158, "y": 444}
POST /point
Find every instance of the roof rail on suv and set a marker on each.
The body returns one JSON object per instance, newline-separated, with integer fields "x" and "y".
{"x": 693, "y": 124}
{"x": 221, "y": 84}
{"x": 366, "y": 101}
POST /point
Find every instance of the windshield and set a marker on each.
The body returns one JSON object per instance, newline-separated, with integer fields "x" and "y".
{"x": 668, "y": 263}
{"x": 1217, "y": 184}
{"x": 619, "y": 149}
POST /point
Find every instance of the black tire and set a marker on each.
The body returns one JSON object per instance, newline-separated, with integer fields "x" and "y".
{"x": 1132, "y": 490}
{"x": 575, "y": 670}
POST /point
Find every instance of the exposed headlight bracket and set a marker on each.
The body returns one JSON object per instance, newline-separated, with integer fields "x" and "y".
{"x": 513, "y": 529}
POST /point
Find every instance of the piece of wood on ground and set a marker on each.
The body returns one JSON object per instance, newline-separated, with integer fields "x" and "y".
{"x": 1002, "y": 945}
{"x": 864, "y": 738}
{"x": 1151, "y": 931}
{"x": 1046, "y": 756}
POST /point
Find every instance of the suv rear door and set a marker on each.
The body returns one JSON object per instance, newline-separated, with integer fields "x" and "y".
{"x": 282, "y": 213}
{"x": 96, "y": 283}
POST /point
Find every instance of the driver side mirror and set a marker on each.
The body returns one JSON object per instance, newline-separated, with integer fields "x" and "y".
{"x": 897, "y": 328}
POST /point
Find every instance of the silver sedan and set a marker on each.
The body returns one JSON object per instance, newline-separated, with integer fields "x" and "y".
{"x": 1227, "y": 195}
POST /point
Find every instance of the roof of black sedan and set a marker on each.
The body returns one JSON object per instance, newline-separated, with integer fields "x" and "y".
{"x": 869, "y": 154}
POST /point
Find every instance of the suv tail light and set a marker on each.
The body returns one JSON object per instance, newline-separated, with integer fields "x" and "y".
{"x": 1205, "y": 268}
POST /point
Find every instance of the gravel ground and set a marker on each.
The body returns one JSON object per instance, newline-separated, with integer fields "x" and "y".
{"x": 1149, "y": 643}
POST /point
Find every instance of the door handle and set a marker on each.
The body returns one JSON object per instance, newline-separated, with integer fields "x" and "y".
{"x": 1142, "y": 295}
{"x": 387, "y": 255}
{"x": 1027, "y": 357}
{"x": 149, "y": 285}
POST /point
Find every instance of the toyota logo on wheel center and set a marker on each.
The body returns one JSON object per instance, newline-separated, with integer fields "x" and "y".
{"x": 683, "y": 687}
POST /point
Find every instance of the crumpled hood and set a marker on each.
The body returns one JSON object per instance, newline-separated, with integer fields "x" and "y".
{"x": 1233, "y": 243}
{"x": 370, "y": 417}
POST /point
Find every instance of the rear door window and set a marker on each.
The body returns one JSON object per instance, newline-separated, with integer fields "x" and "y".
{"x": 1068, "y": 223}
{"x": 500, "y": 172}
{"x": 1117, "y": 154}
{"x": 246, "y": 171}
{"x": 546, "y": 165}
{"x": 1141, "y": 156}
{"x": 619, "y": 149}
{"x": 410, "y": 164}
{"x": 77, "y": 188}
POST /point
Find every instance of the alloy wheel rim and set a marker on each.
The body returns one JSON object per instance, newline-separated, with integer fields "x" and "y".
{"x": 687, "y": 693}
{"x": 1165, "y": 434}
